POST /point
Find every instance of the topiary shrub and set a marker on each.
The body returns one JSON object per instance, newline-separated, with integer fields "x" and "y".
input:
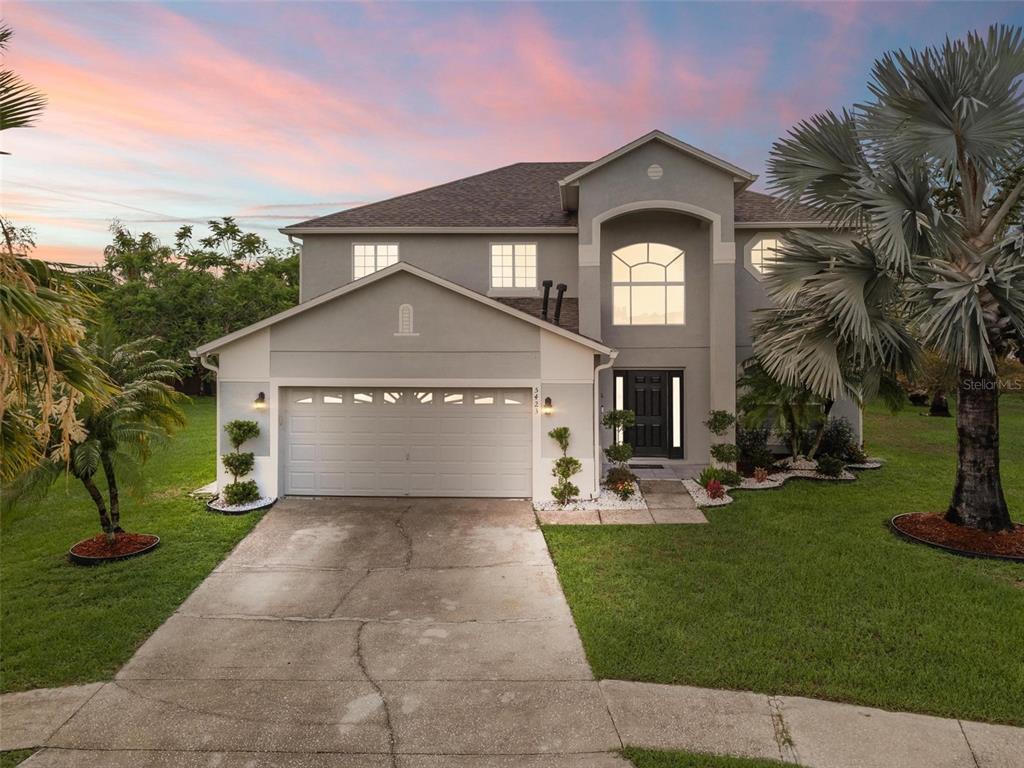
{"x": 718, "y": 422}
{"x": 565, "y": 466}
{"x": 724, "y": 453}
{"x": 240, "y": 464}
{"x": 830, "y": 466}
{"x": 238, "y": 493}
{"x": 620, "y": 478}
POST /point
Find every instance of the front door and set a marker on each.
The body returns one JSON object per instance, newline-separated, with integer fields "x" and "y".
{"x": 648, "y": 394}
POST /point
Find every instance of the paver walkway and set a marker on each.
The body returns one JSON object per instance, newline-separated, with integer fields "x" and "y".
{"x": 668, "y": 503}
{"x": 427, "y": 634}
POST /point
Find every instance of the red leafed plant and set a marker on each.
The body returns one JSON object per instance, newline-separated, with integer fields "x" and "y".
{"x": 714, "y": 489}
{"x": 760, "y": 474}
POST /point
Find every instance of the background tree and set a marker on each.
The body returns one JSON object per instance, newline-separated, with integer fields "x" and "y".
{"x": 943, "y": 269}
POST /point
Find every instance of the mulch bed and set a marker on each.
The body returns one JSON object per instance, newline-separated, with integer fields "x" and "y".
{"x": 98, "y": 549}
{"x": 935, "y": 530}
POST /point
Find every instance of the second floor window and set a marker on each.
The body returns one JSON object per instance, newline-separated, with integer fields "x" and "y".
{"x": 648, "y": 285}
{"x": 513, "y": 265}
{"x": 764, "y": 253}
{"x": 367, "y": 258}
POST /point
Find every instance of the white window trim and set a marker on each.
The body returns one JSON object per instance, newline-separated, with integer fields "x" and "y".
{"x": 665, "y": 284}
{"x": 375, "y": 244}
{"x": 513, "y": 291}
{"x": 748, "y": 251}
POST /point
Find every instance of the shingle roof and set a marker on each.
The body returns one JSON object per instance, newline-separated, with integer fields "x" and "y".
{"x": 569, "y": 319}
{"x": 519, "y": 195}
{"x": 757, "y": 207}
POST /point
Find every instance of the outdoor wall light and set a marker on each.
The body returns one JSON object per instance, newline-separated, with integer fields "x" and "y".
{"x": 260, "y": 403}
{"x": 548, "y": 409}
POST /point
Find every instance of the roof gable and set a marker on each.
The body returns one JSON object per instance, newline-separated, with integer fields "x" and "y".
{"x": 741, "y": 177}
{"x": 400, "y": 267}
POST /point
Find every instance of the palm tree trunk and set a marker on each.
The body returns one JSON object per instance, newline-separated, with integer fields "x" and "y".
{"x": 978, "y": 500}
{"x": 115, "y": 499}
{"x": 101, "y": 507}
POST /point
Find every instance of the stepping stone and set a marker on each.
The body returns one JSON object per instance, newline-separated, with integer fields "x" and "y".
{"x": 662, "y": 486}
{"x": 678, "y": 516}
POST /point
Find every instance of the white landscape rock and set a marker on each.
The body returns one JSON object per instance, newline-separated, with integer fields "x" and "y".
{"x": 606, "y": 500}
{"x": 260, "y": 503}
{"x": 795, "y": 468}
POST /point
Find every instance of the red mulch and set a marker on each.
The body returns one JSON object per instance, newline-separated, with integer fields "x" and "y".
{"x": 124, "y": 544}
{"x": 936, "y": 529}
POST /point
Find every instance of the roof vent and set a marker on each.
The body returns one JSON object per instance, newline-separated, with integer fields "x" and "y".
{"x": 655, "y": 172}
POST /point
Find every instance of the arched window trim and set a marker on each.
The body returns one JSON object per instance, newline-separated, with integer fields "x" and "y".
{"x": 625, "y": 293}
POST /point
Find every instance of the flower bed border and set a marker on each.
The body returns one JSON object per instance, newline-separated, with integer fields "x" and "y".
{"x": 243, "y": 509}
{"x": 89, "y": 560}
{"x": 774, "y": 482}
{"x": 896, "y": 530}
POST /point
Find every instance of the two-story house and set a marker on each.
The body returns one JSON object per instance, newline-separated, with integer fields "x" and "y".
{"x": 442, "y": 334}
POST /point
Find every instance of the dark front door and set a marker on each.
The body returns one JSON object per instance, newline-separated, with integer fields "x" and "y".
{"x": 646, "y": 396}
{"x": 649, "y": 395}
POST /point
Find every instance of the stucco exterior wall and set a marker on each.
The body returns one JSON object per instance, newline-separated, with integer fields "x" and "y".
{"x": 462, "y": 258}
{"x": 459, "y": 341}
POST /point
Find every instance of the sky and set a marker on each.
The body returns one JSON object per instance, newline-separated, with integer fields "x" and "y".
{"x": 162, "y": 114}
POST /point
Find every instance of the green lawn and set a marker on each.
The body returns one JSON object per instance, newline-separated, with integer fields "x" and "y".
{"x": 65, "y": 624}
{"x": 804, "y": 591}
{"x": 645, "y": 758}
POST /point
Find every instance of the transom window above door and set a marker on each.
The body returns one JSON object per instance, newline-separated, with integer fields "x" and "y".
{"x": 513, "y": 265}
{"x": 648, "y": 285}
{"x": 367, "y": 258}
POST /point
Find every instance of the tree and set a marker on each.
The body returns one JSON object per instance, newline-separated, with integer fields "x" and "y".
{"x": 20, "y": 103}
{"x": 121, "y": 430}
{"x": 789, "y": 409}
{"x": 927, "y": 174}
{"x": 44, "y": 372}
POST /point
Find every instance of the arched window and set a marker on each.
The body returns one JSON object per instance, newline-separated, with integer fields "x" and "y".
{"x": 648, "y": 285}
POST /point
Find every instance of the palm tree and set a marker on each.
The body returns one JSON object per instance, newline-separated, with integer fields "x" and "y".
{"x": 44, "y": 372}
{"x": 20, "y": 103}
{"x": 122, "y": 429}
{"x": 928, "y": 176}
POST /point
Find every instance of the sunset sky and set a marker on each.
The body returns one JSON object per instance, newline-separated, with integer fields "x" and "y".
{"x": 163, "y": 114}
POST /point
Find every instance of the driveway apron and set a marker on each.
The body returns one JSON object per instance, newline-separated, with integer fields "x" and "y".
{"x": 360, "y": 632}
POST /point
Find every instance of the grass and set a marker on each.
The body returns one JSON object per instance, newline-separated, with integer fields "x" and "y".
{"x": 804, "y": 591}
{"x": 65, "y": 624}
{"x": 13, "y": 757}
{"x": 645, "y": 758}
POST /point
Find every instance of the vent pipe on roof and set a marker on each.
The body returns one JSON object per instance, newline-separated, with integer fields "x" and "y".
{"x": 547, "y": 290}
{"x": 561, "y": 287}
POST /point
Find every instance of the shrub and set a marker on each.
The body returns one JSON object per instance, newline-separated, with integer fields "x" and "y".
{"x": 730, "y": 477}
{"x": 718, "y": 422}
{"x": 830, "y": 466}
{"x": 838, "y": 440}
{"x": 619, "y": 454}
{"x": 244, "y": 492}
{"x": 760, "y": 474}
{"x": 565, "y": 466}
{"x": 241, "y": 430}
{"x": 561, "y": 436}
{"x": 726, "y": 453}
{"x": 715, "y": 489}
{"x": 752, "y": 448}
{"x": 620, "y": 480}
{"x": 616, "y": 420}
{"x": 238, "y": 464}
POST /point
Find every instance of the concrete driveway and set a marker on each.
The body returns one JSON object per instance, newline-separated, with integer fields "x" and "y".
{"x": 348, "y": 632}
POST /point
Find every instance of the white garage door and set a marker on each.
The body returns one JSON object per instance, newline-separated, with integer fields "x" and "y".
{"x": 407, "y": 442}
